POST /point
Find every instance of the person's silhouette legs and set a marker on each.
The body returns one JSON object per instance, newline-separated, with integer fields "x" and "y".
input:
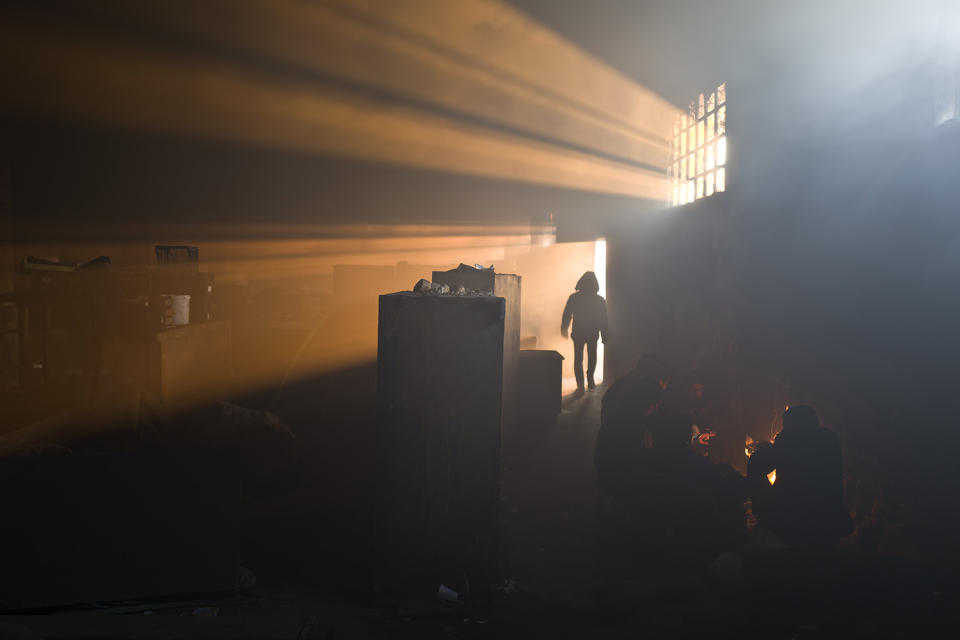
{"x": 578, "y": 362}
{"x": 591, "y": 363}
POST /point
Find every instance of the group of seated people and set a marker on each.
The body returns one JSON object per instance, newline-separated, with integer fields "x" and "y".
{"x": 647, "y": 461}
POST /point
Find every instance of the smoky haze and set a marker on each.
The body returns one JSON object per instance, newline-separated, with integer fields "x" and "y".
{"x": 842, "y": 164}
{"x": 827, "y": 273}
{"x": 321, "y": 154}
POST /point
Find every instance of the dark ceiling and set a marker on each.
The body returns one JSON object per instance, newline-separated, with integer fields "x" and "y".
{"x": 678, "y": 47}
{"x": 669, "y": 47}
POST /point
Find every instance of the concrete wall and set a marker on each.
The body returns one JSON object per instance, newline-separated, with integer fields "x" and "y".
{"x": 822, "y": 276}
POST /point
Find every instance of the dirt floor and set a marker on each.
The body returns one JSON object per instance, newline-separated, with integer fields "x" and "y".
{"x": 551, "y": 505}
{"x": 568, "y": 573}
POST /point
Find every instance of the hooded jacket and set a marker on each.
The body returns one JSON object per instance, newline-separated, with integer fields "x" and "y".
{"x": 587, "y": 310}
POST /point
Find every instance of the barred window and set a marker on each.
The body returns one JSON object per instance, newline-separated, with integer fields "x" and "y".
{"x": 699, "y": 162}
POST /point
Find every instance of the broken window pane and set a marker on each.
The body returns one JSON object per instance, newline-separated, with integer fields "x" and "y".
{"x": 709, "y": 185}
{"x": 692, "y": 139}
{"x": 683, "y": 143}
{"x": 722, "y": 93}
{"x": 700, "y": 133}
{"x": 709, "y": 159}
{"x": 721, "y": 121}
{"x": 683, "y": 168}
{"x": 710, "y": 121}
{"x": 721, "y": 179}
{"x": 711, "y": 102}
{"x": 721, "y": 151}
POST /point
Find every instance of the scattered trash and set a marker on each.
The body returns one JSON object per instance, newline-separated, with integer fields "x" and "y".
{"x": 508, "y": 587}
{"x": 426, "y": 287}
{"x": 431, "y": 288}
{"x": 246, "y": 579}
{"x": 448, "y": 594}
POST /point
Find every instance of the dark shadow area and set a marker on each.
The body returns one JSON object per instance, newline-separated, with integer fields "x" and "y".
{"x": 258, "y": 377}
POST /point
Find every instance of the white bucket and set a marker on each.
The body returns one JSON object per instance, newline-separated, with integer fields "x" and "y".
{"x": 176, "y": 310}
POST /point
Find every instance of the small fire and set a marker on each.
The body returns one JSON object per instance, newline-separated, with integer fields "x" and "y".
{"x": 750, "y": 447}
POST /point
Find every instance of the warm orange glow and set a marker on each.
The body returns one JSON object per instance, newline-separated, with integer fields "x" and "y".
{"x": 772, "y": 477}
{"x": 527, "y": 80}
{"x": 335, "y": 282}
{"x": 436, "y": 88}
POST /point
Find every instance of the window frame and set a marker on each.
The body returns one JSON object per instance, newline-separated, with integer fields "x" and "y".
{"x": 700, "y": 171}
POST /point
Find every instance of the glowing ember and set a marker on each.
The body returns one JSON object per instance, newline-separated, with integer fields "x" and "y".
{"x": 772, "y": 476}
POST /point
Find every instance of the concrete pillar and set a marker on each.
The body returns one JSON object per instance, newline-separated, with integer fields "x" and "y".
{"x": 439, "y": 384}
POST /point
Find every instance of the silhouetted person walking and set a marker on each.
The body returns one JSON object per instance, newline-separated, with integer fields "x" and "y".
{"x": 589, "y": 313}
{"x": 805, "y": 504}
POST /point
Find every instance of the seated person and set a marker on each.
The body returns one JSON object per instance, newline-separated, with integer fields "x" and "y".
{"x": 682, "y": 502}
{"x": 674, "y": 458}
{"x": 804, "y": 506}
{"x": 640, "y": 392}
{"x": 630, "y": 407}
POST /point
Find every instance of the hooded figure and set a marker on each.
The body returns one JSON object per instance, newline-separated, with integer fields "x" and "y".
{"x": 804, "y": 506}
{"x": 589, "y": 314}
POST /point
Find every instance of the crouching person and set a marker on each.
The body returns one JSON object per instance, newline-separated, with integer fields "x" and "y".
{"x": 804, "y": 504}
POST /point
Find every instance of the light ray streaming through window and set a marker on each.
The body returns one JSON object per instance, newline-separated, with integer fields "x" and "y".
{"x": 699, "y": 167}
